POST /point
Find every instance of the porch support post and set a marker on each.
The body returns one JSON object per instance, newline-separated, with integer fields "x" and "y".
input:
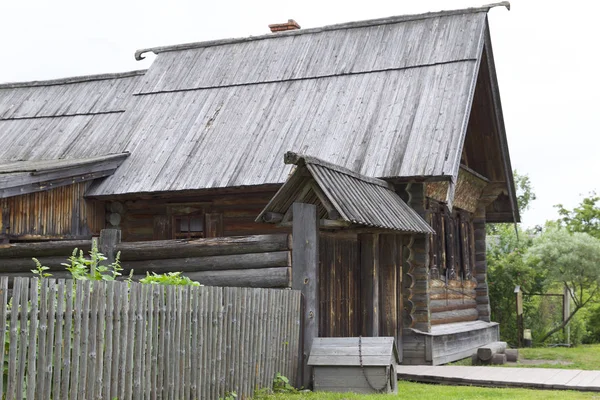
{"x": 109, "y": 238}
{"x": 305, "y": 275}
{"x": 369, "y": 286}
{"x": 482, "y": 292}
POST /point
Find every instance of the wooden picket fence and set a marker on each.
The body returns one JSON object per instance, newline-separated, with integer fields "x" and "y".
{"x": 114, "y": 340}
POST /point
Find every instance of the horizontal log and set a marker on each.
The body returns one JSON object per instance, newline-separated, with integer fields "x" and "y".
{"x": 212, "y": 263}
{"x": 257, "y": 278}
{"x": 162, "y": 249}
{"x": 485, "y": 353}
{"x": 448, "y": 317}
{"x": 449, "y": 305}
{"x": 27, "y": 264}
{"x": 43, "y": 249}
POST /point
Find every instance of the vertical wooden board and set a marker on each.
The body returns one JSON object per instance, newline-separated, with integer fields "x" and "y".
{"x": 33, "y": 331}
{"x": 23, "y": 335}
{"x": 161, "y": 360}
{"x": 13, "y": 339}
{"x": 161, "y": 227}
{"x": 170, "y": 353}
{"x": 107, "y": 362}
{"x": 100, "y": 338}
{"x": 228, "y": 343}
{"x": 138, "y": 372}
{"x": 116, "y": 376}
{"x": 213, "y": 225}
{"x": 84, "y": 355}
{"x": 78, "y": 311}
{"x": 43, "y": 329}
{"x": 92, "y": 355}
{"x": 255, "y": 342}
{"x": 204, "y": 382}
{"x": 194, "y": 343}
{"x": 154, "y": 332}
{"x": 148, "y": 317}
{"x": 134, "y": 298}
{"x": 258, "y": 339}
{"x": 219, "y": 389}
{"x": 187, "y": 368}
{"x": 262, "y": 322}
{"x": 388, "y": 259}
{"x": 305, "y": 261}
{"x": 3, "y": 321}
{"x": 47, "y": 366}
{"x": 369, "y": 259}
{"x": 58, "y": 340}
{"x": 399, "y": 293}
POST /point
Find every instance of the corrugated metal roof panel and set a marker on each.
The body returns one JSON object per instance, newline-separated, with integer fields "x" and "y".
{"x": 358, "y": 199}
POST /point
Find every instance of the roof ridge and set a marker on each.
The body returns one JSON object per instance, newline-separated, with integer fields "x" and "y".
{"x": 294, "y": 158}
{"x": 73, "y": 79}
{"x": 139, "y": 54}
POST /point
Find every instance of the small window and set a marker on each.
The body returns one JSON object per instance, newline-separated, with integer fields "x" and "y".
{"x": 188, "y": 226}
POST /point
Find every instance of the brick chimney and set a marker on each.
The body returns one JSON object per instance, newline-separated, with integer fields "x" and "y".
{"x": 290, "y": 25}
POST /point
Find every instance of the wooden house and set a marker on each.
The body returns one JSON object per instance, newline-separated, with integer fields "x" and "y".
{"x": 404, "y": 110}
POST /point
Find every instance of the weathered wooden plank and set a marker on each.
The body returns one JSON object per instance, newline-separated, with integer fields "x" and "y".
{"x": 83, "y": 357}
{"x": 58, "y": 340}
{"x": 388, "y": 269}
{"x": 23, "y": 343}
{"x": 109, "y": 318}
{"x": 92, "y": 354}
{"x": 33, "y": 332}
{"x": 160, "y": 249}
{"x": 213, "y": 263}
{"x": 3, "y": 320}
{"x": 369, "y": 259}
{"x": 264, "y": 277}
{"x": 305, "y": 256}
{"x": 74, "y": 381}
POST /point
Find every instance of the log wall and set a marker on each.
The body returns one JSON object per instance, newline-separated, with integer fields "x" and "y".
{"x": 232, "y": 215}
{"x": 246, "y": 261}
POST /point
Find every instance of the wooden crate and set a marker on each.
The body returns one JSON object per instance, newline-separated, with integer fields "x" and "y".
{"x": 337, "y": 365}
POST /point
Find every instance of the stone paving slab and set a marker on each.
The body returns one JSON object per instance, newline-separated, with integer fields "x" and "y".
{"x": 534, "y": 378}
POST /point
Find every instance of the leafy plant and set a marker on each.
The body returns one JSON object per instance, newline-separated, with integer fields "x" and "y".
{"x": 281, "y": 384}
{"x": 40, "y": 270}
{"x": 169, "y": 278}
{"x": 92, "y": 268}
{"x": 229, "y": 396}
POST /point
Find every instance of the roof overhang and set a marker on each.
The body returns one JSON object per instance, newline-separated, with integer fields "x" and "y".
{"x": 343, "y": 197}
{"x": 23, "y": 177}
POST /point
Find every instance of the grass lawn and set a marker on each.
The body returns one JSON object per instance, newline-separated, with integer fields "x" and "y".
{"x": 586, "y": 357}
{"x": 421, "y": 391}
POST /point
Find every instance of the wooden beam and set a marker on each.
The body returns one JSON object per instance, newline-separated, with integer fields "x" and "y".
{"x": 159, "y": 249}
{"x": 332, "y": 213}
{"x": 43, "y": 249}
{"x": 272, "y": 217}
{"x": 369, "y": 267}
{"x": 305, "y": 261}
{"x": 389, "y": 262}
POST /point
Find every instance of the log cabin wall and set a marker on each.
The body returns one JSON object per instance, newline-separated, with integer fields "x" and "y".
{"x": 224, "y": 214}
{"x": 452, "y": 263}
{"x": 59, "y": 213}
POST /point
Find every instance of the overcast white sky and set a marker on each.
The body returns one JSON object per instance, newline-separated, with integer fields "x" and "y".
{"x": 546, "y": 57}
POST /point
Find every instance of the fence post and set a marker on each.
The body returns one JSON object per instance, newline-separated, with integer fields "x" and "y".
{"x": 109, "y": 238}
{"x": 519, "y": 305}
{"x": 566, "y": 313}
{"x": 305, "y": 263}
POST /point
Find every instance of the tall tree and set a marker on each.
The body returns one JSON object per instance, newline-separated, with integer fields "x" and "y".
{"x": 572, "y": 259}
{"x": 583, "y": 218}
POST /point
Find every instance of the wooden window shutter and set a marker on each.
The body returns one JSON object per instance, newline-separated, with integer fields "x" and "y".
{"x": 213, "y": 225}
{"x": 161, "y": 227}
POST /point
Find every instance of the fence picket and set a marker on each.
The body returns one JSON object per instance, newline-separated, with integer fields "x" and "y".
{"x": 23, "y": 330}
{"x": 106, "y": 340}
{"x": 58, "y": 339}
{"x": 3, "y": 318}
{"x": 13, "y": 339}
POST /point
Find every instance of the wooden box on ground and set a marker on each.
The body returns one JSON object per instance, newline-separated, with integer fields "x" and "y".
{"x": 337, "y": 363}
